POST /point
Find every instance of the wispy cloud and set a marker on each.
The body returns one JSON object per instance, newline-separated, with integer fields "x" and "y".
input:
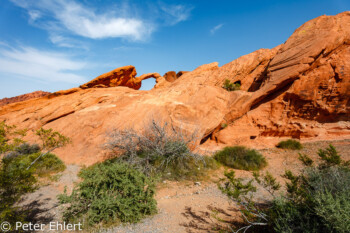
{"x": 67, "y": 42}
{"x": 214, "y": 29}
{"x": 174, "y": 14}
{"x": 33, "y": 15}
{"x": 70, "y": 17}
{"x": 30, "y": 63}
{"x": 80, "y": 20}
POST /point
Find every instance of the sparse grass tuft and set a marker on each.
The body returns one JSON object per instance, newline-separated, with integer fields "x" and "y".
{"x": 240, "y": 157}
{"x": 290, "y": 144}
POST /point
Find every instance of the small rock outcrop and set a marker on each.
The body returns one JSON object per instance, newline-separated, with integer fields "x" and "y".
{"x": 170, "y": 76}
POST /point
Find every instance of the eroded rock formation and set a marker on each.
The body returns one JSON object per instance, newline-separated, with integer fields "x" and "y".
{"x": 170, "y": 76}
{"x": 123, "y": 76}
{"x": 299, "y": 89}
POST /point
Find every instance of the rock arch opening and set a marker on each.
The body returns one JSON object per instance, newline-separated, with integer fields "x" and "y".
{"x": 148, "y": 84}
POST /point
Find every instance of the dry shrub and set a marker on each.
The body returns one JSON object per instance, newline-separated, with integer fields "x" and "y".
{"x": 160, "y": 150}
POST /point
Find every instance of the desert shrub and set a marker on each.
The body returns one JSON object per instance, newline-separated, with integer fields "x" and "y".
{"x": 47, "y": 164}
{"x": 10, "y": 138}
{"x": 15, "y": 181}
{"x": 18, "y": 173}
{"x": 110, "y": 192}
{"x": 240, "y": 157}
{"x": 330, "y": 157}
{"x": 317, "y": 200}
{"x": 160, "y": 150}
{"x": 229, "y": 86}
{"x": 27, "y": 149}
{"x": 290, "y": 144}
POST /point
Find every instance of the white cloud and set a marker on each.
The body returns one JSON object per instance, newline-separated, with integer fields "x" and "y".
{"x": 67, "y": 42}
{"x": 214, "y": 29}
{"x": 176, "y": 13}
{"x": 34, "y": 15}
{"x": 83, "y": 21}
{"x": 30, "y": 63}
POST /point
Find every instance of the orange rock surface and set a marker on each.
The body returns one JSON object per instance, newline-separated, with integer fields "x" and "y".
{"x": 299, "y": 89}
{"x": 32, "y": 95}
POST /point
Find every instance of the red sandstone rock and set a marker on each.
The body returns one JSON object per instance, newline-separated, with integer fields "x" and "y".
{"x": 299, "y": 89}
{"x": 170, "y": 76}
{"x": 123, "y": 76}
{"x": 180, "y": 73}
{"x": 35, "y": 94}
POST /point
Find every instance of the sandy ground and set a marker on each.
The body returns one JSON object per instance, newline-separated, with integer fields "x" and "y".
{"x": 189, "y": 206}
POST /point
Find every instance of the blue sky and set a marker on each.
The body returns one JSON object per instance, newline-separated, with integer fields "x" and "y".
{"x": 52, "y": 45}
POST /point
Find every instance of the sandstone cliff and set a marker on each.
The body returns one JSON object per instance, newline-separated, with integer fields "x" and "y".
{"x": 299, "y": 89}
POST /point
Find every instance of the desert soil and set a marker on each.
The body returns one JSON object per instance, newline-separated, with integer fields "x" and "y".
{"x": 191, "y": 206}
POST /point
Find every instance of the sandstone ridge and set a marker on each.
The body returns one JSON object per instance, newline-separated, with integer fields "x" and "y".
{"x": 299, "y": 89}
{"x": 32, "y": 95}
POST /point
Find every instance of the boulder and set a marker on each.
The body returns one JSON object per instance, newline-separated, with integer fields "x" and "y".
{"x": 170, "y": 76}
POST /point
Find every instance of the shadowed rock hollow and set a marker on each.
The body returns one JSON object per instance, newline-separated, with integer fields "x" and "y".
{"x": 299, "y": 89}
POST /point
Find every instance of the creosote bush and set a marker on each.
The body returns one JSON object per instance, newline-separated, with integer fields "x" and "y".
{"x": 110, "y": 192}
{"x": 229, "y": 86}
{"x": 317, "y": 200}
{"x": 290, "y": 144}
{"x": 240, "y": 157}
{"x": 160, "y": 150}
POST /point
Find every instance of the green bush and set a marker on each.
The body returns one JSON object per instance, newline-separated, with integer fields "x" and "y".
{"x": 229, "y": 86}
{"x": 18, "y": 171}
{"x": 10, "y": 138}
{"x": 47, "y": 164}
{"x": 110, "y": 192}
{"x": 161, "y": 150}
{"x": 240, "y": 157}
{"x": 290, "y": 144}
{"x": 15, "y": 181}
{"x": 317, "y": 200}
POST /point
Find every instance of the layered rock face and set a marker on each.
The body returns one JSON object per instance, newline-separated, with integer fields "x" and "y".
{"x": 304, "y": 90}
{"x": 32, "y": 95}
{"x": 299, "y": 89}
